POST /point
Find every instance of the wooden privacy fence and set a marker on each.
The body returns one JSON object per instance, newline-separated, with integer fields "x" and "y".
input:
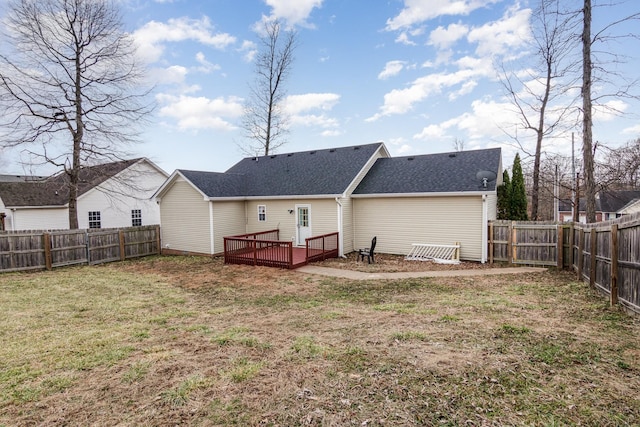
{"x": 32, "y": 250}
{"x": 606, "y": 254}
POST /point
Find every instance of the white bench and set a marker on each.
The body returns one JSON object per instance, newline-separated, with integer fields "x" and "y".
{"x": 443, "y": 254}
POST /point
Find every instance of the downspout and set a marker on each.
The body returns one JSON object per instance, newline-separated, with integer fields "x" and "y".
{"x": 485, "y": 226}
{"x": 211, "y": 233}
{"x": 340, "y": 230}
{"x": 13, "y": 219}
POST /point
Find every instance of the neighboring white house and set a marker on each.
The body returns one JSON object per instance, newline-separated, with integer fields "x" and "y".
{"x": 117, "y": 194}
{"x": 358, "y": 191}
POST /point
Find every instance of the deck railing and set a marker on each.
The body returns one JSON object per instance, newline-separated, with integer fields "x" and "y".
{"x": 264, "y": 248}
{"x": 322, "y": 247}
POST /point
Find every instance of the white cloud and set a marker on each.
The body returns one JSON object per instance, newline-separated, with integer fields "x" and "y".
{"x": 632, "y": 130}
{"x": 391, "y": 69}
{"x": 249, "y": 49}
{"x": 431, "y": 132}
{"x": 331, "y": 133}
{"x": 153, "y": 35}
{"x": 444, "y": 38}
{"x": 403, "y": 38}
{"x": 301, "y": 110}
{"x": 198, "y": 113}
{"x": 205, "y": 66}
{"x": 174, "y": 74}
{"x": 609, "y": 110}
{"x": 293, "y": 12}
{"x": 297, "y": 104}
{"x": 417, "y": 11}
{"x": 503, "y": 36}
{"x": 400, "y": 101}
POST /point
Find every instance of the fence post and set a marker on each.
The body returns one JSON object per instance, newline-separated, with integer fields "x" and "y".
{"x": 511, "y": 246}
{"x": 490, "y": 242}
{"x": 121, "y": 239}
{"x": 560, "y": 246}
{"x": 592, "y": 269}
{"x": 614, "y": 264}
{"x": 158, "y": 241}
{"x": 86, "y": 237}
{"x": 46, "y": 241}
{"x": 580, "y": 252}
{"x": 571, "y": 242}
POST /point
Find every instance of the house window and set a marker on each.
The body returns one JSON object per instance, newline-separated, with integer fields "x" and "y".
{"x": 262, "y": 212}
{"x": 94, "y": 219}
{"x": 136, "y": 217}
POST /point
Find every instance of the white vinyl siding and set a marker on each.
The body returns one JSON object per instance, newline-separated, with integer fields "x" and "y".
{"x": 117, "y": 197}
{"x": 347, "y": 225}
{"x": 228, "y": 220}
{"x": 492, "y": 207}
{"x": 400, "y": 221}
{"x": 185, "y": 219}
{"x": 38, "y": 219}
{"x": 324, "y": 216}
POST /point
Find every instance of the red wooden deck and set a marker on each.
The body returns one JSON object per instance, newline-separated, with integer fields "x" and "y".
{"x": 259, "y": 249}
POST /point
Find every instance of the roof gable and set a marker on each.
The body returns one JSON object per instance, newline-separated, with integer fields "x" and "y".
{"x": 54, "y": 190}
{"x": 432, "y": 173}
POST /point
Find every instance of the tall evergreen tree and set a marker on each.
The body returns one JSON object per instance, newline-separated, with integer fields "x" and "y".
{"x": 504, "y": 197}
{"x": 518, "y": 192}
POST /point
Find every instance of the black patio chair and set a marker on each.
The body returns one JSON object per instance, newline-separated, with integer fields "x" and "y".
{"x": 368, "y": 252}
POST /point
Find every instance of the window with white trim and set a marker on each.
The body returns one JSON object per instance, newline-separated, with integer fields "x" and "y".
{"x": 262, "y": 212}
{"x": 136, "y": 217}
{"x": 94, "y": 219}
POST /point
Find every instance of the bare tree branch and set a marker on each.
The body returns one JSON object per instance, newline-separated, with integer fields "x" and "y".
{"x": 264, "y": 120}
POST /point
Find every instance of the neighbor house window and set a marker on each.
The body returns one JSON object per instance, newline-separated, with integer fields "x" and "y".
{"x": 262, "y": 212}
{"x": 94, "y": 219}
{"x": 136, "y": 217}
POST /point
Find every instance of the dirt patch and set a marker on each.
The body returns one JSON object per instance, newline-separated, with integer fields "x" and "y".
{"x": 385, "y": 263}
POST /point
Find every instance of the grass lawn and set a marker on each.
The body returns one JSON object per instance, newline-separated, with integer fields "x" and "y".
{"x": 190, "y": 341}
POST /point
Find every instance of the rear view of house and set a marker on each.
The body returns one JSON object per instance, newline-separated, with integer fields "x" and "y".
{"x": 357, "y": 191}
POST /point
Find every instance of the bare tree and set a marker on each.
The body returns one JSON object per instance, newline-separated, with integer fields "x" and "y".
{"x": 619, "y": 168}
{"x": 458, "y": 144}
{"x": 70, "y": 85}
{"x": 541, "y": 100}
{"x": 621, "y": 88}
{"x": 587, "y": 117}
{"x": 264, "y": 120}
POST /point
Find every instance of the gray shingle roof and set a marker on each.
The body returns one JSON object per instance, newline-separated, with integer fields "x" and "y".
{"x": 316, "y": 172}
{"x": 613, "y": 201}
{"x": 305, "y": 173}
{"x": 20, "y": 178}
{"x": 216, "y": 184}
{"x": 431, "y": 173}
{"x": 54, "y": 191}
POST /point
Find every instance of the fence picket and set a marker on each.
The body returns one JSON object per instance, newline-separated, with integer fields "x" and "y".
{"x": 29, "y": 250}
{"x": 605, "y": 254}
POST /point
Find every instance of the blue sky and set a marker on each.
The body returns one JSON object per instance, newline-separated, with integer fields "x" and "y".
{"x": 415, "y": 74}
